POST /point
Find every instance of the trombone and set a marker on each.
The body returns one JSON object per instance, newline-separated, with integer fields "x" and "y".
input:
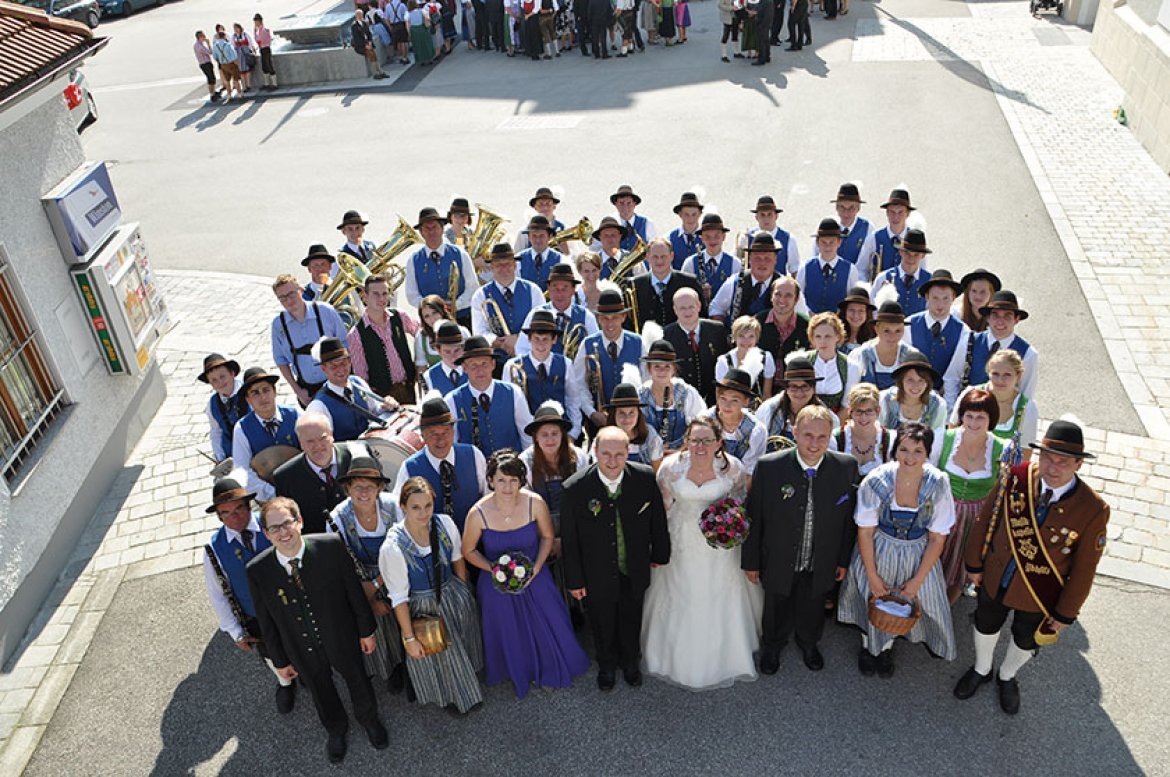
{"x": 493, "y": 315}
{"x": 572, "y": 339}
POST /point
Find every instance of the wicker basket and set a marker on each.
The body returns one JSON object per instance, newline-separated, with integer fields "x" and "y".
{"x": 893, "y": 624}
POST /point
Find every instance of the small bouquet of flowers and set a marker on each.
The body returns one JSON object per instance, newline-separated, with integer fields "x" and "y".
{"x": 724, "y": 523}
{"x": 511, "y": 572}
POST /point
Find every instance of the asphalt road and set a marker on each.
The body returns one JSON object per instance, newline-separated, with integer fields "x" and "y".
{"x": 162, "y": 692}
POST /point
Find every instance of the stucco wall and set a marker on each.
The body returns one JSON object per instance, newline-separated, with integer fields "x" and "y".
{"x": 75, "y": 463}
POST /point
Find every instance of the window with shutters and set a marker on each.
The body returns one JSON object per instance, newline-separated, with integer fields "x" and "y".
{"x": 29, "y": 396}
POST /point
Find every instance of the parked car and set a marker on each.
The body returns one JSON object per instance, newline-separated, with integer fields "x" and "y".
{"x": 125, "y": 7}
{"x": 86, "y": 11}
{"x": 82, "y": 108}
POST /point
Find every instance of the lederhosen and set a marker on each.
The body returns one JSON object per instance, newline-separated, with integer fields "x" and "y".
{"x": 304, "y": 350}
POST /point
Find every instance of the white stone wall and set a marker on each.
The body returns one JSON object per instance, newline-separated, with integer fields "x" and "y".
{"x": 36, "y": 153}
{"x": 1138, "y": 56}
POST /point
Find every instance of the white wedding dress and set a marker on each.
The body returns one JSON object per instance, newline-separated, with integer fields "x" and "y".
{"x": 701, "y": 617}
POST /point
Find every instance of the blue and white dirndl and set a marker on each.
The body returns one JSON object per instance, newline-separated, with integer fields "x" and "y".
{"x": 899, "y": 544}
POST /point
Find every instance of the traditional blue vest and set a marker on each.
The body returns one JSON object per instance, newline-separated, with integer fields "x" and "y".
{"x": 939, "y": 350}
{"x": 465, "y": 490}
{"x": 515, "y": 313}
{"x": 684, "y": 245}
{"x": 885, "y": 254}
{"x": 629, "y": 352}
{"x": 573, "y": 318}
{"x": 675, "y": 424}
{"x": 226, "y": 421}
{"x": 233, "y": 558}
{"x": 440, "y": 381}
{"x": 367, "y": 248}
{"x": 258, "y": 436}
{"x": 528, "y": 269}
{"x": 743, "y": 438}
{"x": 419, "y": 568}
{"x": 431, "y": 279}
{"x": 638, "y": 231}
{"x": 981, "y": 352}
{"x": 496, "y": 431}
{"x": 908, "y": 295}
{"x": 539, "y": 392}
{"x": 869, "y": 372}
{"x": 723, "y": 271}
{"x": 348, "y": 424}
{"x": 851, "y": 243}
{"x": 822, "y": 295}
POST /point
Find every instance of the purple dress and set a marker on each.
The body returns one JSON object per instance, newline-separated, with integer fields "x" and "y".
{"x": 527, "y": 637}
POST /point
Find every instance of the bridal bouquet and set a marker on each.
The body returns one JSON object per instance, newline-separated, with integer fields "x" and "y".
{"x": 724, "y": 524}
{"x": 511, "y": 572}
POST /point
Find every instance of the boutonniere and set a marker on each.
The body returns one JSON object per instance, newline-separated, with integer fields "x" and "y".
{"x": 644, "y": 508}
{"x": 283, "y": 598}
{"x": 787, "y": 491}
{"x": 595, "y": 507}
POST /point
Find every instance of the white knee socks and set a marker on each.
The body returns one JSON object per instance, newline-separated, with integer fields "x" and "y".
{"x": 1015, "y": 658}
{"x": 984, "y": 650}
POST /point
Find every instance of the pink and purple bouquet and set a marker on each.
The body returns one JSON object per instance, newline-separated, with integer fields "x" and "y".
{"x": 724, "y": 524}
{"x": 511, "y": 572}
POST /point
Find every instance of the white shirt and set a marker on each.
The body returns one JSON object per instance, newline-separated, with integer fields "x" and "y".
{"x": 953, "y": 375}
{"x": 573, "y": 389}
{"x": 519, "y": 408}
{"x": 242, "y": 458}
{"x": 704, "y": 259}
{"x": 869, "y": 247}
{"x": 480, "y": 469}
{"x": 466, "y": 272}
{"x": 392, "y": 564}
{"x": 522, "y": 344}
{"x": 881, "y": 281}
{"x": 284, "y": 560}
{"x": 581, "y": 377}
{"x": 216, "y": 439}
{"x": 611, "y": 485}
{"x": 520, "y": 287}
{"x": 446, "y": 368}
{"x": 219, "y": 602}
{"x": 837, "y": 261}
{"x": 373, "y": 401}
{"x": 721, "y": 304}
{"x": 731, "y": 359}
{"x": 831, "y": 377}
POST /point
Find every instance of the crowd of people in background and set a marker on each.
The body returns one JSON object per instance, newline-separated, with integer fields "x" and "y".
{"x": 244, "y": 61}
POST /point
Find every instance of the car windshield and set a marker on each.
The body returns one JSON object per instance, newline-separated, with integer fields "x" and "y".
{"x": 41, "y": 4}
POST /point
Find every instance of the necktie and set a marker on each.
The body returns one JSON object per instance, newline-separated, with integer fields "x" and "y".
{"x": 561, "y": 322}
{"x": 1045, "y": 501}
{"x": 620, "y": 535}
{"x": 454, "y": 375}
{"x": 826, "y": 270}
{"x": 542, "y": 373}
{"x": 844, "y": 232}
{"x": 246, "y": 536}
{"x": 271, "y": 426}
{"x": 613, "y": 352}
{"x": 712, "y": 266}
{"x": 327, "y": 476}
{"x": 508, "y": 297}
{"x": 225, "y": 405}
{"x": 908, "y": 280}
{"x": 611, "y": 263}
{"x": 694, "y": 343}
{"x": 935, "y": 329}
{"x": 348, "y": 395}
{"x": 294, "y": 570}
{"x": 435, "y": 257}
{"x": 659, "y": 289}
{"x": 538, "y": 260}
{"x": 806, "y": 537}
{"x": 994, "y": 348}
{"x": 447, "y": 483}
{"x": 485, "y": 403}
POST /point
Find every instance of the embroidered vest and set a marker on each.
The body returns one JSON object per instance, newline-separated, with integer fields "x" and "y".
{"x": 431, "y": 279}
{"x": 540, "y": 391}
{"x": 851, "y": 244}
{"x": 496, "y": 431}
{"x": 630, "y": 352}
{"x": 440, "y": 380}
{"x": 515, "y": 313}
{"x": 258, "y": 436}
{"x": 982, "y": 352}
{"x": 939, "y": 350}
{"x": 822, "y": 294}
{"x": 638, "y": 231}
{"x": 226, "y": 419}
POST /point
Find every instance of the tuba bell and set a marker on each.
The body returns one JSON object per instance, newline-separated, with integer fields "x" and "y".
{"x": 488, "y": 231}
{"x": 629, "y": 262}
{"x": 403, "y": 237}
{"x": 582, "y": 232}
{"x": 351, "y": 276}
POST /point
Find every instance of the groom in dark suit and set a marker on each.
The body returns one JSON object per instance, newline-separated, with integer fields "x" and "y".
{"x": 613, "y": 530}
{"x": 801, "y": 538}
{"x": 315, "y": 619}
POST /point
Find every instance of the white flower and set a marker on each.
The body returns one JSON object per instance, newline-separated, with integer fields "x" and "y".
{"x": 520, "y": 573}
{"x": 500, "y": 576}
{"x": 504, "y": 559}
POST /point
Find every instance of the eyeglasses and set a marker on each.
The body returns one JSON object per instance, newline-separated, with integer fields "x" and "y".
{"x": 858, "y": 411}
{"x": 280, "y": 528}
{"x": 798, "y": 387}
{"x": 288, "y": 295}
{"x": 701, "y": 441}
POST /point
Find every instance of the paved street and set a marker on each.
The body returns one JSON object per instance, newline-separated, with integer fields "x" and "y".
{"x": 997, "y": 123}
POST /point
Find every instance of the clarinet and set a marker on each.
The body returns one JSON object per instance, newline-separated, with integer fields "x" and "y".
{"x": 966, "y": 380}
{"x": 737, "y": 300}
{"x": 379, "y": 591}
{"x": 474, "y": 422}
{"x": 233, "y": 602}
{"x": 664, "y": 422}
{"x": 875, "y": 264}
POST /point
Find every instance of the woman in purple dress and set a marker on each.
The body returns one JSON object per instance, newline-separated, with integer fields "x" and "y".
{"x": 527, "y": 636}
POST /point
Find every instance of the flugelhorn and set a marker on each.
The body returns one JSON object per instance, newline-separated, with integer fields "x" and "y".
{"x": 629, "y": 262}
{"x": 572, "y": 339}
{"x": 582, "y": 232}
{"x": 494, "y": 315}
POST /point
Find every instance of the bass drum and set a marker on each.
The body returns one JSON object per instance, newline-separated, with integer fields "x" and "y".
{"x": 394, "y": 444}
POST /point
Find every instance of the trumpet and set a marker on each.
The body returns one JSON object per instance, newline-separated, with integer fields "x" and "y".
{"x": 593, "y": 378}
{"x": 519, "y": 377}
{"x": 630, "y": 296}
{"x": 572, "y": 339}
{"x": 629, "y": 262}
{"x": 583, "y": 232}
{"x": 453, "y": 289}
{"x": 492, "y": 313}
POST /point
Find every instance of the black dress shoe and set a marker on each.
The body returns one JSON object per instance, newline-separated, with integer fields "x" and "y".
{"x": 769, "y": 662}
{"x": 813, "y": 659}
{"x": 378, "y": 736}
{"x": 885, "y": 663}
{"x": 1009, "y": 695}
{"x": 336, "y": 747}
{"x": 866, "y": 663}
{"x": 758, "y": 62}
{"x": 397, "y": 679}
{"x": 605, "y": 679}
{"x": 633, "y": 677}
{"x": 793, "y": 48}
{"x": 286, "y": 697}
{"x": 969, "y": 683}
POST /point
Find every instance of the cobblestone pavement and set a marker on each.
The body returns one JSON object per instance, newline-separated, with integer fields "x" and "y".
{"x": 1107, "y": 199}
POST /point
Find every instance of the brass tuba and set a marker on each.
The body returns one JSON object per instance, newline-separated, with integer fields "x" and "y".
{"x": 629, "y": 262}
{"x": 572, "y": 339}
{"x": 489, "y": 230}
{"x": 351, "y": 276}
{"x": 583, "y": 232}
{"x": 403, "y": 238}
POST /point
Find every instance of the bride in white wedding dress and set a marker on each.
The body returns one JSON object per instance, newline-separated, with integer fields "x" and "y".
{"x": 701, "y": 617}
